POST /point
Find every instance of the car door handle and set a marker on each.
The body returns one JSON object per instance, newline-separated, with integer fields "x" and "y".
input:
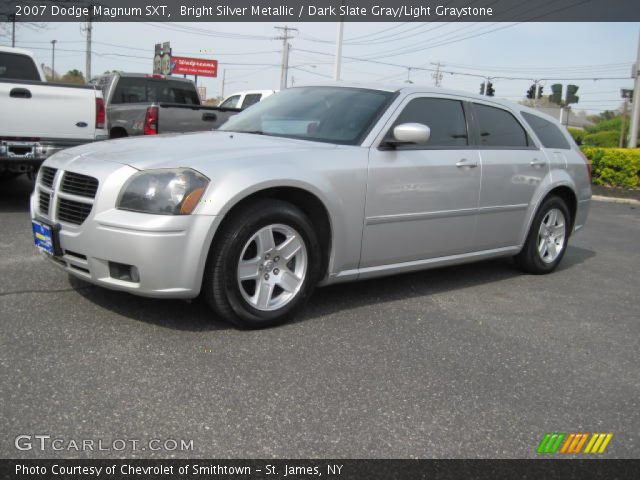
{"x": 537, "y": 163}
{"x": 466, "y": 163}
{"x": 20, "y": 93}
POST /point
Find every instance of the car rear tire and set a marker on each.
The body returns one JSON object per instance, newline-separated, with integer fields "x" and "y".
{"x": 263, "y": 265}
{"x": 547, "y": 239}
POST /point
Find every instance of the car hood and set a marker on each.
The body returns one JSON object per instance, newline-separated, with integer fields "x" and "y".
{"x": 200, "y": 150}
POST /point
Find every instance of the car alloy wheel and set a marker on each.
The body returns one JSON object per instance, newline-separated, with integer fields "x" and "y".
{"x": 551, "y": 235}
{"x": 272, "y": 267}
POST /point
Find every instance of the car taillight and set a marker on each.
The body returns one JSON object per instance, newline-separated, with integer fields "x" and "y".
{"x": 151, "y": 121}
{"x": 587, "y": 163}
{"x": 100, "y": 113}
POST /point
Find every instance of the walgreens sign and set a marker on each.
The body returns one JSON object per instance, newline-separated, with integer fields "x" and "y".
{"x": 194, "y": 66}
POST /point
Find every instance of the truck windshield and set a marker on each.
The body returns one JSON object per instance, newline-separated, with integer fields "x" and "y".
{"x": 323, "y": 114}
{"x": 17, "y": 67}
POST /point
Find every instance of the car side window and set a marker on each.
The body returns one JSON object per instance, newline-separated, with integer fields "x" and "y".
{"x": 251, "y": 99}
{"x": 548, "y": 133}
{"x": 445, "y": 118}
{"x": 499, "y": 128}
{"x": 231, "y": 102}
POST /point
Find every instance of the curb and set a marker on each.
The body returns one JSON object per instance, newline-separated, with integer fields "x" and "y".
{"x": 627, "y": 201}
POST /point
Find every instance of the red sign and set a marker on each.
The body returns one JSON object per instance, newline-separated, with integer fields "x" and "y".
{"x": 194, "y": 66}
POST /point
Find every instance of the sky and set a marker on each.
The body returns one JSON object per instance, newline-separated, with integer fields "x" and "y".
{"x": 394, "y": 52}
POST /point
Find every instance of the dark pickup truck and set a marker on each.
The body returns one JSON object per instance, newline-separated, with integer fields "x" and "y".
{"x": 139, "y": 104}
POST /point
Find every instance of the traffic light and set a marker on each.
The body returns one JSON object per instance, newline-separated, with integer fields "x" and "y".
{"x": 556, "y": 95}
{"x": 540, "y": 89}
{"x": 482, "y": 88}
{"x": 571, "y": 94}
{"x": 490, "y": 89}
{"x": 531, "y": 93}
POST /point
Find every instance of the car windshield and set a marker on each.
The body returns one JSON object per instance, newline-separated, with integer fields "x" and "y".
{"x": 322, "y": 114}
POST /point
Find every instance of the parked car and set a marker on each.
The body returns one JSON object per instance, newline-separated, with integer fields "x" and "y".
{"x": 320, "y": 184}
{"x": 141, "y": 104}
{"x": 245, "y": 99}
{"x": 38, "y": 118}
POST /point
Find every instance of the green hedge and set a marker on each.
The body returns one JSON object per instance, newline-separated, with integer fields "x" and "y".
{"x": 606, "y": 138}
{"x": 618, "y": 167}
{"x": 577, "y": 134}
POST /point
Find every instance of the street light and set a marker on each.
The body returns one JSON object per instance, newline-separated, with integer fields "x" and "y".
{"x": 53, "y": 60}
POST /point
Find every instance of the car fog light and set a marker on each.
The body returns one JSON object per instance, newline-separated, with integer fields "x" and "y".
{"x": 124, "y": 272}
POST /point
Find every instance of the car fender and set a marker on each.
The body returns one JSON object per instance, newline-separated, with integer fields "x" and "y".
{"x": 345, "y": 220}
{"x": 554, "y": 179}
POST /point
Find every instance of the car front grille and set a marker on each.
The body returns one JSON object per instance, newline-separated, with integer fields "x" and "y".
{"x": 47, "y": 176}
{"x": 74, "y": 212}
{"x": 44, "y": 200}
{"x": 73, "y": 199}
{"x": 78, "y": 184}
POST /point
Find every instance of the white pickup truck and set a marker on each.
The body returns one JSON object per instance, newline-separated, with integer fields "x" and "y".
{"x": 38, "y": 118}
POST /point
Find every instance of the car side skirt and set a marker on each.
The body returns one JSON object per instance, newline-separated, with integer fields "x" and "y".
{"x": 395, "y": 268}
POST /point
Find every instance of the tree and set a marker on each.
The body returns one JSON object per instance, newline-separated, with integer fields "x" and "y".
{"x": 73, "y": 76}
{"x": 7, "y": 25}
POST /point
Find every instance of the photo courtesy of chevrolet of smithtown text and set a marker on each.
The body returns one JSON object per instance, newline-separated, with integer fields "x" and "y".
{"x": 299, "y": 239}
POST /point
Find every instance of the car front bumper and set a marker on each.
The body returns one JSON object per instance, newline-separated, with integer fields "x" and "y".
{"x": 168, "y": 252}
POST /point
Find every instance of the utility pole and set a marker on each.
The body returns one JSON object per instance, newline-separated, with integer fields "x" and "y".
{"x": 635, "y": 111}
{"x": 87, "y": 67}
{"x": 408, "y": 80}
{"x": 53, "y": 60}
{"x": 338, "y": 64}
{"x": 224, "y": 77}
{"x": 13, "y": 29}
{"x": 437, "y": 76}
{"x": 625, "y": 112}
{"x": 284, "y": 71}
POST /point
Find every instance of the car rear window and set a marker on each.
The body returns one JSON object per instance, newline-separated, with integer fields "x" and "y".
{"x": 498, "y": 128}
{"x": 548, "y": 133}
{"x": 17, "y": 67}
{"x": 148, "y": 90}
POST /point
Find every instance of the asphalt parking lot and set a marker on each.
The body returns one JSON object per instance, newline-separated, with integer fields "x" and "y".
{"x": 470, "y": 361}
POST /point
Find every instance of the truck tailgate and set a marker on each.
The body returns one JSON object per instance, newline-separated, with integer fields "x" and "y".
{"x": 43, "y": 110}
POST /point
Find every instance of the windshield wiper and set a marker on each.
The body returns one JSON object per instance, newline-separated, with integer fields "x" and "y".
{"x": 254, "y": 132}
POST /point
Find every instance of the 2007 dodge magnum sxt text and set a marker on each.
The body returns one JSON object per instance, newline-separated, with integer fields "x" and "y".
{"x": 314, "y": 185}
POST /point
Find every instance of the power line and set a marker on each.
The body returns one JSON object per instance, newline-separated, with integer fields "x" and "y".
{"x": 451, "y": 72}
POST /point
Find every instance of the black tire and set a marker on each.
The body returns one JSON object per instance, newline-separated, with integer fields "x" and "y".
{"x": 220, "y": 285}
{"x": 529, "y": 259}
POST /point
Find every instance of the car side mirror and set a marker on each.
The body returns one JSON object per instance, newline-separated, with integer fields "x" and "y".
{"x": 412, "y": 133}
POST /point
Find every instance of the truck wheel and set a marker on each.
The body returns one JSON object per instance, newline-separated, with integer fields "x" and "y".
{"x": 547, "y": 239}
{"x": 264, "y": 265}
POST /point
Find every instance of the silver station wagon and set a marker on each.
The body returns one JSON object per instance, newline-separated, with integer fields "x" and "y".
{"x": 314, "y": 185}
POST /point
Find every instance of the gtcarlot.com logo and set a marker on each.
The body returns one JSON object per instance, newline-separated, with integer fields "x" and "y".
{"x": 571, "y": 443}
{"x": 57, "y": 444}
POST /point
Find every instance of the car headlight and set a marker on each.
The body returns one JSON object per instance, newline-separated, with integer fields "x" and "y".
{"x": 165, "y": 192}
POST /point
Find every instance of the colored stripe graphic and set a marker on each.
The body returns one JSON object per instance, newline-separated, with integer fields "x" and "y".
{"x": 551, "y": 442}
{"x": 598, "y": 442}
{"x": 577, "y": 444}
{"x": 565, "y": 447}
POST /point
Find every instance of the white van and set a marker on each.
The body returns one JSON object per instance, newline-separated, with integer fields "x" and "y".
{"x": 245, "y": 99}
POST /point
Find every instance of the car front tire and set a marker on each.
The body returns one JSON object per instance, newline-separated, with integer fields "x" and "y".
{"x": 548, "y": 236}
{"x": 264, "y": 265}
